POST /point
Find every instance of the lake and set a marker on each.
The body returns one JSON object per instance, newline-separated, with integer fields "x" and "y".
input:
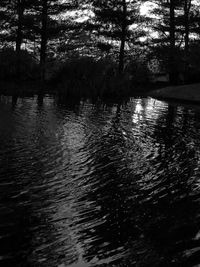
{"x": 86, "y": 184}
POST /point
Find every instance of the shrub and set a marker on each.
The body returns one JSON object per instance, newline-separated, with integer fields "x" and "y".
{"x": 12, "y": 66}
{"x": 84, "y": 76}
{"x": 138, "y": 72}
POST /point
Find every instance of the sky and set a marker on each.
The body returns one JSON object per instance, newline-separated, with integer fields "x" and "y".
{"x": 145, "y": 8}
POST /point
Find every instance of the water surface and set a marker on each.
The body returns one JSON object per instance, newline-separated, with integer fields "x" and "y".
{"x": 87, "y": 184}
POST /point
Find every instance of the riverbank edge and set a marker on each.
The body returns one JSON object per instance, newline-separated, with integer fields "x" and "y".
{"x": 31, "y": 88}
{"x": 23, "y": 89}
{"x": 181, "y": 93}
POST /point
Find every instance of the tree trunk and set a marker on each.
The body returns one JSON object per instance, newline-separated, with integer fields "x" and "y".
{"x": 20, "y": 13}
{"x": 43, "y": 47}
{"x": 123, "y": 38}
{"x": 19, "y": 37}
{"x": 172, "y": 61}
{"x": 187, "y": 6}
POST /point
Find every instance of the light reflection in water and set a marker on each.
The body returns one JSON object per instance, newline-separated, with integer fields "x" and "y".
{"x": 98, "y": 184}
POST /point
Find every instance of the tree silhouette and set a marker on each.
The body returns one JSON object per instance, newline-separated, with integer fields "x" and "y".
{"x": 112, "y": 21}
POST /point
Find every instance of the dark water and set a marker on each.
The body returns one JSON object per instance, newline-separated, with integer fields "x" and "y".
{"x": 85, "y": 184}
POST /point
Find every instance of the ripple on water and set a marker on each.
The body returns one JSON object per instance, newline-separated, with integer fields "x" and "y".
{"x": 95, "y": 184}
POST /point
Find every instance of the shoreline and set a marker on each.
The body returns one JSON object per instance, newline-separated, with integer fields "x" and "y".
{"x": 31, "y": 88}
{"x": 189, "y": 93}
{"x": 24, "y": 89}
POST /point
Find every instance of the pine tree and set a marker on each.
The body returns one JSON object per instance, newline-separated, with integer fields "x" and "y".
{"x": 13, "y": 22}
{"x": 34, "y": 21}
{"x": 174, "y": 28}
{"x": 165, "y": 26}
{"x": 49, "y": 27}
{"x": 113, "y": 19}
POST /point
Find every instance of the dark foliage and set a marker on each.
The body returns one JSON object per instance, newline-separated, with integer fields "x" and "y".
{"x": 86, "y": 76}
{"x": 11, "y": 65}
{"x": 100, "y": 43}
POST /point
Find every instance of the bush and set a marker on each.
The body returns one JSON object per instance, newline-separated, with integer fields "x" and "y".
{"x": 12, "y": 66}
{"x": 138, "y": 72}
{"x": 84, "y": 76}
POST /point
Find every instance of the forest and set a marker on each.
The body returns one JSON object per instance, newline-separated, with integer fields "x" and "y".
{"x": 99, "y": 47}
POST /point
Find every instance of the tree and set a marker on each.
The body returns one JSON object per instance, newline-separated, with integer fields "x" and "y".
{"x": 172, "y": 62}
{"x": 36, "y": 21}
{"x": 165, "y": 13}
{"x": 190, "y": 9}
{"x": 50, "y": 11}
{"x": 13, "y": 23}
{"x": 43, "y": 47}
{"x": 112, "y": 21}
{"x": 20, "y": 13}
{"x": 174, "y": 28}
{"x": 187, "y": 7}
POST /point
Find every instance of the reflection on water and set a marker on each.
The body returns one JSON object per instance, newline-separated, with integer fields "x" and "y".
{"x": 85, "y": 184}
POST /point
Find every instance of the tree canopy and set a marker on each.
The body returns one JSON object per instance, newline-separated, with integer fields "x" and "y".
{"x": 60, "y": 29}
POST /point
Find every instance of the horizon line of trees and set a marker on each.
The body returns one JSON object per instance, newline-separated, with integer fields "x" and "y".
{"x": 58, "y": 30}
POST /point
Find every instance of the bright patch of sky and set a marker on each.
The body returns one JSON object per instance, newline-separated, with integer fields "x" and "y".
{"x": 79, "y": 16}
{"x": 146, "y": 8}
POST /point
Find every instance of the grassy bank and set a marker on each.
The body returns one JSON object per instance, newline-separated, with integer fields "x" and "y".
{"x": 189, "y": 92}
